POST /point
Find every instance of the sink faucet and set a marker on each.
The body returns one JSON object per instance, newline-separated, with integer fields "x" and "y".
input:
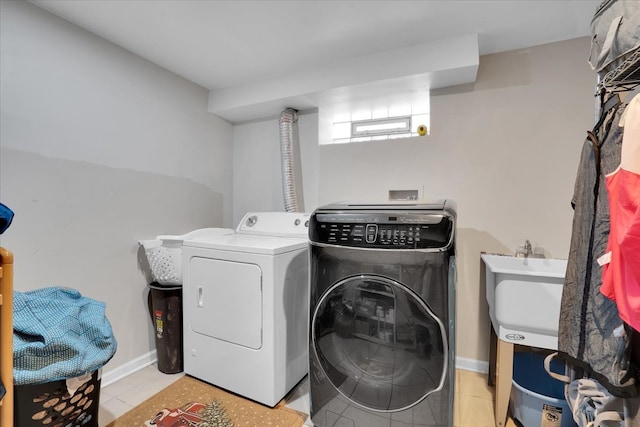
{"x": 524, "y": 251}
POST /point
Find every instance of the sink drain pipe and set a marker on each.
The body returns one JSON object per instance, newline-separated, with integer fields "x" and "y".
{"x": 288, "y": 118}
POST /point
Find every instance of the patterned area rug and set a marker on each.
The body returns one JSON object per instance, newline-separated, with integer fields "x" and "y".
{"x": 189, "y": 402}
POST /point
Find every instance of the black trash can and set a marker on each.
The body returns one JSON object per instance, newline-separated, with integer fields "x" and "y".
{"x": 166, "y": 314}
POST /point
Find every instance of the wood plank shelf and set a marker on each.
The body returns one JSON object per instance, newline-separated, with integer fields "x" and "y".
{"x": 6, "y": 336}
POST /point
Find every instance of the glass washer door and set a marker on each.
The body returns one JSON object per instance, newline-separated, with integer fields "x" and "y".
{"x": 378, "y": 343}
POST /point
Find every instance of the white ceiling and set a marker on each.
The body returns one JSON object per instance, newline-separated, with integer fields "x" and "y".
{"x": 228, "y": 45}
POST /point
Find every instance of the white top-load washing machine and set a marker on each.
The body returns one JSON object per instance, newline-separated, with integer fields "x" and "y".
{"x": 245, "y": 301}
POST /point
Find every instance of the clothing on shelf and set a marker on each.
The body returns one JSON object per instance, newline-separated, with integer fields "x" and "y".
{"x": 591, "y": 334}
{"x": 600, "y": 308}
{"x": 632, "y": 412}
{"x": 621, "y": 269}
{"x": 621, "y": 264}
{"x": 614, "y": 30}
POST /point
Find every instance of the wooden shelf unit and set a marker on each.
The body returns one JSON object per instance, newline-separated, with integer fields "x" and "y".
{"x": 6, "y": 335}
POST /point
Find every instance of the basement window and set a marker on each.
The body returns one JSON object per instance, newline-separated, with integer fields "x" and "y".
{"x": 377, "y": 127}
{"x": 380, "y": 125}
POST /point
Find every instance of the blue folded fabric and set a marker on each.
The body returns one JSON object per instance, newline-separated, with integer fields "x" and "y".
{"x": 6, "y": 216}
{"x": 58, "y": 334}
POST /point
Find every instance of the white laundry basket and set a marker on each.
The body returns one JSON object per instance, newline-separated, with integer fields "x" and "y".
{"x": 165, "y": 260}
{"x": 164, "y": 253}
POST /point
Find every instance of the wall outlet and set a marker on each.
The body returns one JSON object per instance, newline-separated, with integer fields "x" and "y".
{"x": 395, "y": 195}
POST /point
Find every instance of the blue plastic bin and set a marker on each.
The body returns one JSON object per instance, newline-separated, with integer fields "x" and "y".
{"x": 537, "y": 399}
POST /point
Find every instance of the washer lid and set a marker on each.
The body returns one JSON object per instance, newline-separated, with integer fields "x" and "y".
{"x": 255, "y": 244}
{"x": 384, "y": 206}
{"x": 201, "y": 233}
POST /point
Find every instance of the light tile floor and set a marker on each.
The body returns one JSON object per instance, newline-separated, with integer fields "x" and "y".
{"x": 473, "y": 405}
{"x": 127, "y": 393}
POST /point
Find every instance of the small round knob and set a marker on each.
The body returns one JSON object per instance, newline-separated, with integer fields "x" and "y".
{"x": 297, "y": 221}
{"x": 251, "y": 221}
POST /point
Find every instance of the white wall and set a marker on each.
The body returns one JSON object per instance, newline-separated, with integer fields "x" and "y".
{"x": 257, "y": 176}
{"x": 505, "y": 149}
{"x": 100, "y": 148}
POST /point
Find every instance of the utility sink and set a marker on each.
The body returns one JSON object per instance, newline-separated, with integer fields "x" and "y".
{"x": 524, "y": 297}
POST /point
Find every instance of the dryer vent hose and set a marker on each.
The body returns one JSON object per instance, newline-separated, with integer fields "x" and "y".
{"x": 288, "y": 118}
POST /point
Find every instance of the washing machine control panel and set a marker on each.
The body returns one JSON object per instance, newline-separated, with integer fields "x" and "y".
{"x": 412, "y": 231}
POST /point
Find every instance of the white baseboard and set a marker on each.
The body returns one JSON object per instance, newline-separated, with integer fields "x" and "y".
{"x": 145, "y": 360}
{"x": 481, "y": 366}
{"x": 113, "y": 375}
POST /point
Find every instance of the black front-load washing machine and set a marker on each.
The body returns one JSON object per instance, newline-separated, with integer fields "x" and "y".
{"x": 381, "y": 348}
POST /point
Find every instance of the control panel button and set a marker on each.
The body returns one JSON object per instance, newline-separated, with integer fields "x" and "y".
{"x": 372, "y": 232}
